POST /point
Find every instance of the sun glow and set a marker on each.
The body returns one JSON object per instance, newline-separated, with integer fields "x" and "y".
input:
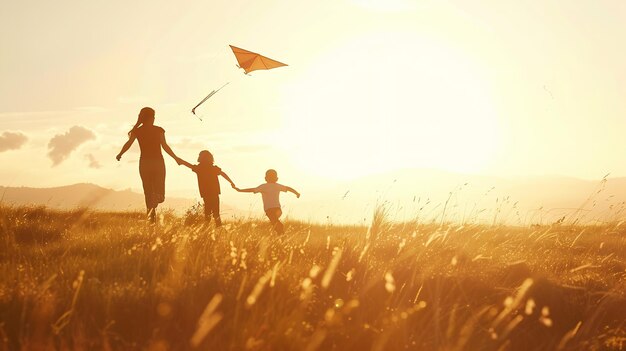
{"x": 389, "y": 101}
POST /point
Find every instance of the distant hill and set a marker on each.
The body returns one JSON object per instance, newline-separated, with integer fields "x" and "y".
{"x": 413, "y": 194}
{"x": 84, "y": 195}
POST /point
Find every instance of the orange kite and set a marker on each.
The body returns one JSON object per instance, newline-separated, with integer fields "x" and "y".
{"x": 251, "y": 61}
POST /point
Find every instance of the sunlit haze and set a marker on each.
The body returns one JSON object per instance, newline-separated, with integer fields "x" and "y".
{"x": 506, "y": 88}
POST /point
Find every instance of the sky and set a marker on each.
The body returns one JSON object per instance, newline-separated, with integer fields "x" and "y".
{"x": 502, "y": 88}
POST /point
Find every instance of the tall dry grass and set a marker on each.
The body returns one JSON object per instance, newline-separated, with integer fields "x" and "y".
{"x": 85, "y": 280}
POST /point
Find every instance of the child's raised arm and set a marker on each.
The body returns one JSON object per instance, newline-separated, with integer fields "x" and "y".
{"x": 292, "y": 190}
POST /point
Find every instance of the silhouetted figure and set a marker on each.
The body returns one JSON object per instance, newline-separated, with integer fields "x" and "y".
{"x": 151, "y": 164}
{"x": 209, "y": 184}
{"x": 270, "y": 192}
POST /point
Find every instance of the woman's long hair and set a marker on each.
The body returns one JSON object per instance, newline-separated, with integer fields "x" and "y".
{"x": 145, "y": 114}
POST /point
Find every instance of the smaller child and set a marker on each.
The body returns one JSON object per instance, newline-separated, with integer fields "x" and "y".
{"x": 270, "y": 192}
{"x": 208, "y": 184}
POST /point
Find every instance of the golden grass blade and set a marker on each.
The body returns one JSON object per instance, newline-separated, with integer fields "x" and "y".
{"x": 330, "y": 271}
{"x": 207, "y": 321}
{"x": 258, "y": 289}
{"x": 569, "y": 336}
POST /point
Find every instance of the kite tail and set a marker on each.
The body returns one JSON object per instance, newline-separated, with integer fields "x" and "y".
{"x": 193, "y": 110}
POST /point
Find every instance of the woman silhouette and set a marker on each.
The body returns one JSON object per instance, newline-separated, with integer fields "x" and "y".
{"x": 151, "y": 165}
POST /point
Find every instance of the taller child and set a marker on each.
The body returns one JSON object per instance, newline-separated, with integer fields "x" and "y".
{"x": 209, "y": 184}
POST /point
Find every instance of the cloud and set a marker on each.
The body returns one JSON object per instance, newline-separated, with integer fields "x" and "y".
{"x": 189, "y": 143}
{"x": 93, "y": 162}
{"x": 251, "y": 148}
{"x": 12, "y": 141}
{"x": 91, "y": 109}
{"x": 62, "y": 145}
{"x": 132, "y": 99}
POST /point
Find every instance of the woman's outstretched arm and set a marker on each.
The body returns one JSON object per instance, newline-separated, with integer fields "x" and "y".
{"x": 168, "y": 149}
{"x": 129, "y": 143}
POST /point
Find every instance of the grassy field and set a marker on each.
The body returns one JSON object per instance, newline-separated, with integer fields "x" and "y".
{"x": 84, "y": 280}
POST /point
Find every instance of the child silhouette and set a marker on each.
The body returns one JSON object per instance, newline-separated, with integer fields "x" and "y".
{"x": 208, "y": 184}
{"x": 270, "y": 193}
